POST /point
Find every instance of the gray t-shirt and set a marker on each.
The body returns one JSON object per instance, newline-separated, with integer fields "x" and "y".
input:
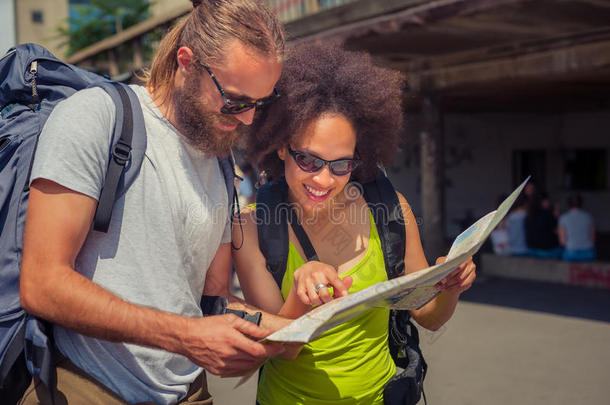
{"x": 577, "y": 224}
{"x": 515, "y": 224}
{"x": 162, "y": 238}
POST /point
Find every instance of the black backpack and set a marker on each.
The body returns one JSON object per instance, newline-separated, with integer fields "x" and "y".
{"x": 273, "y": 214}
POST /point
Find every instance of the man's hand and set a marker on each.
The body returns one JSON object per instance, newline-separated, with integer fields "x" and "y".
{"x": 220, "y": 344}
{"x": 312, "y": 274}
{"x": 460, "y": 279}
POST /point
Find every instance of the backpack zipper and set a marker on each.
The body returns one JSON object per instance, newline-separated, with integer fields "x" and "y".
{"x": 34, "y": 72}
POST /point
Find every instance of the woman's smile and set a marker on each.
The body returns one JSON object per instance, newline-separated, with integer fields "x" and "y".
{"x": 316, "y": 194}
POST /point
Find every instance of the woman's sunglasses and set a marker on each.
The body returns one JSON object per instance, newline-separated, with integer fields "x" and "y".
{"x": 238, "y": 107}
{"x": 311, "y": 163}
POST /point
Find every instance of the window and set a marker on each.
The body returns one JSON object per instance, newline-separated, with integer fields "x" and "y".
{"x": 37, "y": 17}
{"x": 530, "y": 162}
{"x": 585, "y": 169}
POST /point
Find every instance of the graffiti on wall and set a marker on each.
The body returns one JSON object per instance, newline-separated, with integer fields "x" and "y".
{"x": 591, "y": 275}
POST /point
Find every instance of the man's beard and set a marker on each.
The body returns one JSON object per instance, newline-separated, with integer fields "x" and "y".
{"x": 196, "y": 122}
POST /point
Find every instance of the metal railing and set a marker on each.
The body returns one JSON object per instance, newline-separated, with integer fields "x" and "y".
{"x": 132, "y": 49}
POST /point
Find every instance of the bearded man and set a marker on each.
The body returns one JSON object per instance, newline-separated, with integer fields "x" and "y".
{"x": 125, "y": 305}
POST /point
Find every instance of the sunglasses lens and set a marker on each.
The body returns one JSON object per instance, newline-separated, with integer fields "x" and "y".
{"x": 342, "y": 167}
{"x": 236, "y": 108}
{"x": 308, "y": 162}
{"x": 311, "y": 163}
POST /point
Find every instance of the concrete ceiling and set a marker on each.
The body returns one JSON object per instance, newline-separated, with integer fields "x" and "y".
{"x": 471, "y": 51}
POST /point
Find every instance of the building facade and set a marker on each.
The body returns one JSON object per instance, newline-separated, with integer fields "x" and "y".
{"x": 498, "y": 90}
{"x": 38, "y": 21}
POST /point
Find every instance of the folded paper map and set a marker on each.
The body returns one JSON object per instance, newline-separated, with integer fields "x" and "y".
{"x": 411, "y": 291}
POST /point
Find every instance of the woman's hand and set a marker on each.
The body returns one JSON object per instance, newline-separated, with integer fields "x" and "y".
{"x": 311, "y": 282}
{"x": 460, "y": 279}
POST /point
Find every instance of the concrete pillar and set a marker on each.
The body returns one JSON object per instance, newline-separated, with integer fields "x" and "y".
{"x": 432, "y": 174}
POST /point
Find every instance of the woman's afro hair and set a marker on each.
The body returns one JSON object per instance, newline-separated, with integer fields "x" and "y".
{"x": 318, "y": 80}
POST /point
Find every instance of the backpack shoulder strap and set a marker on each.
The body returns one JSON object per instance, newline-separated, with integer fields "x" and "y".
{"x": 126, "y": 153}
{"x": 383, "y": 202}
{"x": 227, "y": 167}
{"x": 403, "y": 337}
{"x": 272, "y": 226}
{"x": 272, "y": 214}
{"x": 301, "y": 235}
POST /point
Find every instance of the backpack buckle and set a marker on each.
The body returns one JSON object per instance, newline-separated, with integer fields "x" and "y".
{"x": 121, "y": 153}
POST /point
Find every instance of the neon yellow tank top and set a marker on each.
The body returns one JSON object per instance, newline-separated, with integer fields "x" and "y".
{"x": 348, "y": 364}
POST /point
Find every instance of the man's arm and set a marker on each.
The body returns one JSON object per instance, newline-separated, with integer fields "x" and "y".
{"x": 57, "y": 223}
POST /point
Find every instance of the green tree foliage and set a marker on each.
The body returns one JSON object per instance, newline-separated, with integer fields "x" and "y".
{"x": 100, "y": 19}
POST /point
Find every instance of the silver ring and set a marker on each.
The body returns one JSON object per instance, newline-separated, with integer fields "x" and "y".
{"x": 318, "y": 286}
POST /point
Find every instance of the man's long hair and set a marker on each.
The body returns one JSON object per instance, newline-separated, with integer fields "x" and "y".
{"x": 208, "y": 29}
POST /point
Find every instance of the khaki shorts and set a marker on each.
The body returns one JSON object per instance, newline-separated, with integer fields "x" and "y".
{"x": 76, "y": 387}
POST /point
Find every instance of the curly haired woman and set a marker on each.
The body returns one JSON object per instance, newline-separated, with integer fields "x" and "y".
{"x": 337, "y": 120}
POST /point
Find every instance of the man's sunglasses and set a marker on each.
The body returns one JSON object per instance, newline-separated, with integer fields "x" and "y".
{"x": 311, "y": 163}
{"x": 238, "y": 107}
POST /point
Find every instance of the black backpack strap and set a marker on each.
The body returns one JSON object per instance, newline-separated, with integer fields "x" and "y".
{"x": 387, "y": 213}
{"x": 299, "y": 232}
{"x": 272, "y": 212}
{"x": 407, "y": 387}
{"x": 127, "y": 152}
{"x": 227, "y": 167}
{"x": 403, "y": 336}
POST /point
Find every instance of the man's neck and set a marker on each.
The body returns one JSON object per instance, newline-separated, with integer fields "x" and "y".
{"x": 162, "y": 100}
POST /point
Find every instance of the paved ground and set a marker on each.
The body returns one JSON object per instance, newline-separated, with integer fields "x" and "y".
{"x": 510, "y": 342}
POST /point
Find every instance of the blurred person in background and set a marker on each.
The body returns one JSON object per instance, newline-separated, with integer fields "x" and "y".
{"x": 515, "y": 224}
{"x": 500, "y": 239}
{"x": 541, "y": 228}
{"x": 577, "y": 232}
